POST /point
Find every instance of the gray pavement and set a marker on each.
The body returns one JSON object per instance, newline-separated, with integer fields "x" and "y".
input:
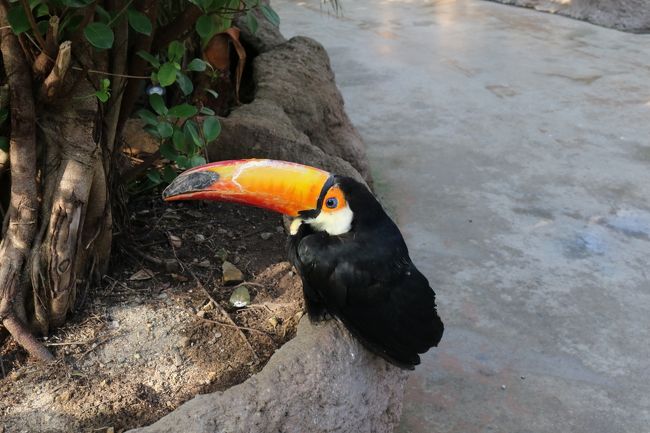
{"x": 513, "y": 149}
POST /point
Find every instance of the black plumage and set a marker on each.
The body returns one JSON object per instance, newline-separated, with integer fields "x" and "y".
{"x": 366, "y": 278}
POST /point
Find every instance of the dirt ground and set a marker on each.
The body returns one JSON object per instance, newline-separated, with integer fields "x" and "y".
{"x": 149, "y": 337}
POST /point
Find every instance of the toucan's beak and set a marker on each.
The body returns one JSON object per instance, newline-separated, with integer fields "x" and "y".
{"x": 280, "y": 186}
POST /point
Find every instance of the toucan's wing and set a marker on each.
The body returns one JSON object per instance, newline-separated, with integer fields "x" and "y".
{"x": 384, "y": 300}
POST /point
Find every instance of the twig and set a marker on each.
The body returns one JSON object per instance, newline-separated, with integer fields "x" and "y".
{"x": 95, "y": 346}
{"x": 227, "y": 325}
{"x": 32, "y": 23}
{"x": 225, "y": 314}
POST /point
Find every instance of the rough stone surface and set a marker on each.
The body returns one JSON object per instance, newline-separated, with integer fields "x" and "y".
{"x": 231, "y": 274}
{"x": 297, "y": 114}
{"x": 626, "y": 15}
{"x": 321, "y": 381}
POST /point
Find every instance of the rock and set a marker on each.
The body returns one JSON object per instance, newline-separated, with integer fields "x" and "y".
{"x": 199, "y": 238}
{"x": 297, "y": 114}
{"x": 240, "y": 297}
{"x": 321, "y": 381}
{"x": 139, "y": 140}
{"x": 231, "y": 274}
{"x": 266, "y": 236}
{"x": 626, "y": 15}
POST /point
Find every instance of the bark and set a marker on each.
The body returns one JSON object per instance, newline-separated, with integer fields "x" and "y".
{"x": 57, "y": 234}
{"x": 23, "y": 207}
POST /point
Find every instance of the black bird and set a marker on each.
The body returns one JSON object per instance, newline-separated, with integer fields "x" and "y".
{"x": 351, "y": 256}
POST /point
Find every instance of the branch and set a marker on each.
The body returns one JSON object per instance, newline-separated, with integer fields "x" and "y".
{"x": 177, "y": 28}
{"x": 54, "y": 81}
{"x": 138, "y": 65}
{"x": 23, "y": 205}
{"x": 32, "y": 23}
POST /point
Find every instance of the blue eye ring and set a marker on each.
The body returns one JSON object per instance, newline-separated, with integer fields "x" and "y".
{"x": 332, "y": 202}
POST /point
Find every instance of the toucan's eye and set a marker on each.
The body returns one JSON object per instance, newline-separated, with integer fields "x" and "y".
{"x": 332, "y": 202}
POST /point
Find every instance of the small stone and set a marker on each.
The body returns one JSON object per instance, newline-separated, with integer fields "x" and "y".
{"x": 240, "y": 297}
{"x": 141, "y": 275}
{"x": 110, "y": 430}
{"x": 222, "y": 231}
{"x": 65, "y": 395}
{"x": 208, "y": 307}
{"x": 199, "y": 238}
{"x": 221, "y": 254}
{"x": 136, "y": 356}
{"x": 184, "y": 342}
{"x": 175, "y": 241}
{"x": 16, "y": 375}
{"x": 503, "y": 387}
{"x": 231, "y": 274}
{"x": 522, "y": 377}
{"x": 274, "y": 321}
{"x": 266, "y": 236}
{"x": 205, "y": 264}
{"x": 279, "y": 229}
{"x": 201, "y": 314}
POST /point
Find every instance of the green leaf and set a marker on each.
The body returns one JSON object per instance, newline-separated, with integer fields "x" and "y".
{"x": 184, "y": 83}
{"x": 4, "y": 144}
{"x": 182, "y": 162}
{"x": 165, "y": 129}
{"x": 102, "y": 95}
{"x": 139, "y": 22}
{"x": 167, "y": 74}
{"x": 205, "y": 27}
{"x": 167, "y": 151}
{"x": 147, "y": 116}
{"x": 183, "y": 110}
{"x": 270, "y": 14}
{"x": 18, "y": 19}
{"x": 251, "y": 22}
{"x": 149, "y": 58}
{"x": 99, "y": 35}
{"x": 196, "y": 65}
{"x": 175, "y": 51}
{"x": 154, "y": 176}
{"x": 168, "y": 174}
{"x": 42, "y": 10}
{"x": 196, "y": 160}
{"x": 211, "y": 128}
{"x": 179, "y": 140}
{"x": 213, "y": 93}
{"x": 158, "y": 104}
{"x": 152, "y": 130}
{"x": 76, "y": 3}
{"x": 190, "y": 128}
{"x": 207, "y": 111}
{"x": 103, "y": 14}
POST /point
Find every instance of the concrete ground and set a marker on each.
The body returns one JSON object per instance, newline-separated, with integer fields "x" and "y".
{"x": 513, "y": 148}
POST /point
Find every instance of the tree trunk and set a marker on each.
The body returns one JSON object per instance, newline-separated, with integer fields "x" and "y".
{"x": 56, "y": 230}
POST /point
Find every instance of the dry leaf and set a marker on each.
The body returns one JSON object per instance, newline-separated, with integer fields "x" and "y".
{"x": 141, "y": 275}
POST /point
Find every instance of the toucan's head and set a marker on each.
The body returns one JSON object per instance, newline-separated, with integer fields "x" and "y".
{"x": 309, "y": 195}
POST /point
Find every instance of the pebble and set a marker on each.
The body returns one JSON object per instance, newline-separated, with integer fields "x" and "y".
{"x": 503, "y": 387}
{"x": 266, "y": 236}
{"x": 279, "y": 229}
{"x": 137, "y": 356}
{"x": 199, "y": 238}
{"x": 231, "y": 274}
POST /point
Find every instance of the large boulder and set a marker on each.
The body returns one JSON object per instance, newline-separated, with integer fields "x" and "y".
{"x": 297, "y": 113}
{"x": 626, "y": 15}
{"x": 321, "y": 381}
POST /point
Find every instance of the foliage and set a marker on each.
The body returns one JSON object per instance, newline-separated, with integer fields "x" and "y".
{"x": 183, "y": 137}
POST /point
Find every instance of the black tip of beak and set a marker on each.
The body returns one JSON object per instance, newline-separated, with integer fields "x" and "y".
{"x": 190, "y": 182}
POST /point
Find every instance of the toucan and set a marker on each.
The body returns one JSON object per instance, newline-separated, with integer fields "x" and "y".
{"x": 351, "y": 256}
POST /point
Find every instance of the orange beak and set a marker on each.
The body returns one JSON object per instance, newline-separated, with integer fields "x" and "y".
{"x": 280, "y": 186}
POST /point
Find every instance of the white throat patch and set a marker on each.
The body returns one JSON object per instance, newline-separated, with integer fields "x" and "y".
{"x": 334, "y": 223}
